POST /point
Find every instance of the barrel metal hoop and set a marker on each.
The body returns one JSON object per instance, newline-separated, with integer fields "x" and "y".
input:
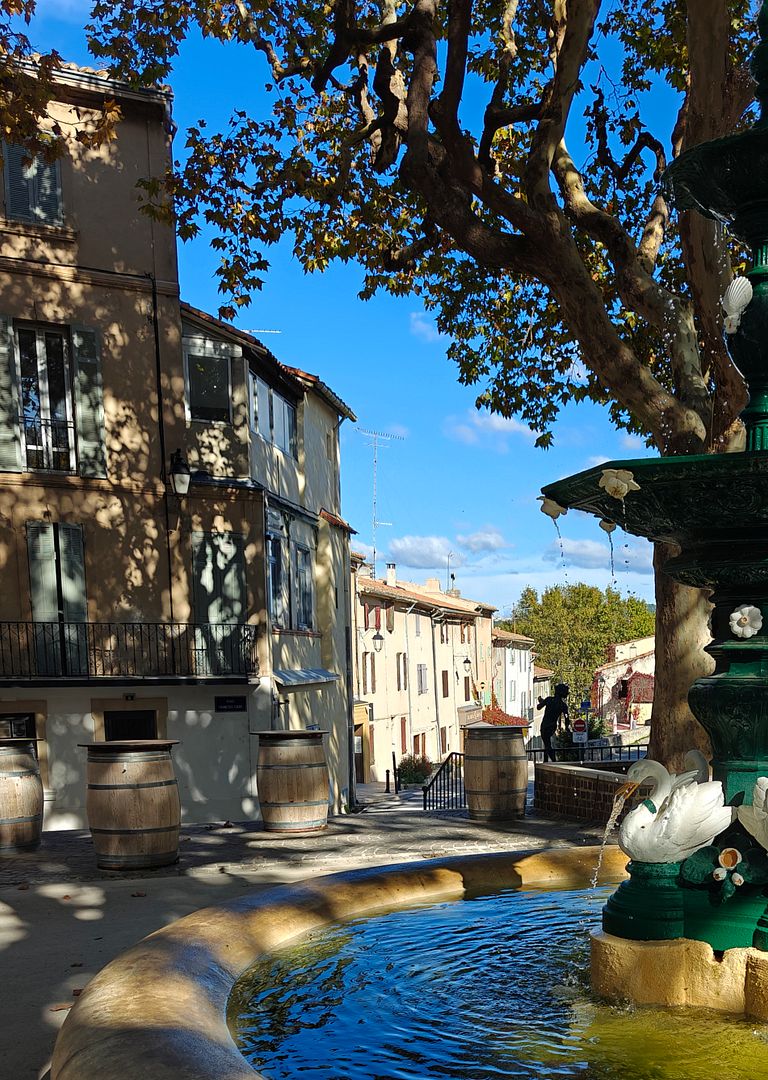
{"x": 300, "y": 802}
{"x": 133, "y": 787}
{"x": 309, "y": 765}
{"x": 21, "y": 772}
{"x": 21, "y": 820}
{"x": 124, "y": 758}
{"x": 138, "y": 832}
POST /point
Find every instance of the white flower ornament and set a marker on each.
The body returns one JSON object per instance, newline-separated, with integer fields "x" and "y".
{"x": 746, "y": 621}
{"x": 607, "y": 526}
{"x": 551, "y": 508}
{"x": 737, "y": 298}
{"x": 618, "y": 482}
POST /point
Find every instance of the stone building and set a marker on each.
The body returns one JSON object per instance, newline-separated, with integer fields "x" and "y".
{"x": 174, "y": 561}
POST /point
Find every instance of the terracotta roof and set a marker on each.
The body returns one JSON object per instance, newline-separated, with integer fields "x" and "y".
{"x": 374, "y": 587}
{"x": 299, "y": 378}
{"x": 627, "y": 660}
{"x": 98, "y": 80}
{"x": 339, "y": 523}
{"x": 542, "y": 672}
{"x": 508, "y": 636}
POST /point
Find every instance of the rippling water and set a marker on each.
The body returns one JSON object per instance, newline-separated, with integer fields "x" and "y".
{"x": 474, "y": 990}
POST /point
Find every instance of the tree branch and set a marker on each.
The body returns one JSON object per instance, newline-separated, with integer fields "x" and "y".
{"x": 570, "y": 33}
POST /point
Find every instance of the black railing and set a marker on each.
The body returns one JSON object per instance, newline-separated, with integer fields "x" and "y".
{"x": 445, "y": 790}
{"x": 49, "y": 444}
{"x": 576, "y": 753}
{"x": 37, "y": 650}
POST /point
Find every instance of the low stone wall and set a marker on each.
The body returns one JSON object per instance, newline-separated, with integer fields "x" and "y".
{"x": 580, "y": 792}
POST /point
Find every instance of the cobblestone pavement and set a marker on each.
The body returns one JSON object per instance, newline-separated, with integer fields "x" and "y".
{"x": 394, "y": 836}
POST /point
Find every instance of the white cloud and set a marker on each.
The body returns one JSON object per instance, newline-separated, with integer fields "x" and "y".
{"x": 479, "y": 426}
{"x": 424, "y": 552}
{"x": 364, "y": 549}
{"x": 400, "y": 430}
{"x": 488, "y": 539}
{"x": 424, "y": 328}
{"x": 634, "y": 443}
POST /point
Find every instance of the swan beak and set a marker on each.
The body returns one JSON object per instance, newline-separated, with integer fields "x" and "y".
{"x": 627, "y": 789}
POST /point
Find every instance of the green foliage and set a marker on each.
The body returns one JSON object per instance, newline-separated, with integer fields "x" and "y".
{"x": 414, "y": 770}
{"x": 572, "y": 625}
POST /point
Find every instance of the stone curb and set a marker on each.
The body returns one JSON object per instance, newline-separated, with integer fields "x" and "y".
{"x": 160, "y": 1009}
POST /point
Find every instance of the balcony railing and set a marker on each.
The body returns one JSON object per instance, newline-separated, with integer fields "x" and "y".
{"x": 78, "y": 650}
{"x": 49, "y": 444}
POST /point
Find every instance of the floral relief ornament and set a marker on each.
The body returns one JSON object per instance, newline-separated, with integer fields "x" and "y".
{"x": 551, "y": 508}
{"x": 618, "y": 482}
{"x": 746, "y": 620}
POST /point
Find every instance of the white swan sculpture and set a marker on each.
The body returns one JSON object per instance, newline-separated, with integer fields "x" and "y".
{"x": 679, "y": 816}
{"x": 754, "y": 818}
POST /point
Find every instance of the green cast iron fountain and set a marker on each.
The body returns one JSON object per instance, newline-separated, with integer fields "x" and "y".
{"x": 715, "y": 508}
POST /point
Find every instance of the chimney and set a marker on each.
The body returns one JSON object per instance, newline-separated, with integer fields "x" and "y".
{"x": 432, "y": 585}
{"x": 391, "y": 574}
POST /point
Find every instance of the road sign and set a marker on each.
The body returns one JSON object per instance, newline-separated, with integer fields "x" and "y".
{"x": 579, "y": 729}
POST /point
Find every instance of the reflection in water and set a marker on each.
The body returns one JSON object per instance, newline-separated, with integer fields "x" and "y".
{"x": 477, "y": 990}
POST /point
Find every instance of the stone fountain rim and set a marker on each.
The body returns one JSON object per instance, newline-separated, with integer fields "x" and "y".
{"x": 159, "y": 1009}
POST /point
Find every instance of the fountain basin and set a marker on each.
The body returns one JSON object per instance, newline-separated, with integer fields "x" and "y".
{"x": 160, "y": 1009}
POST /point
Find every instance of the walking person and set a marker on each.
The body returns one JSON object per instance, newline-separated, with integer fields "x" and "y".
{"x": 555, "y": 711}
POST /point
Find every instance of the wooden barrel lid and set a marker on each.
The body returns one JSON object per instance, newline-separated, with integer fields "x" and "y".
{"x": 290, "y": 734}
{"x": 130, "y": 744}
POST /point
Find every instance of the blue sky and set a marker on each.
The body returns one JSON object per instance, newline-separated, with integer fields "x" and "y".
{"x": 460, "y": 481}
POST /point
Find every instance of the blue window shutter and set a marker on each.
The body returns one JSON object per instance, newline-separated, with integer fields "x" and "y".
{"x": 47, "y": 192}
{"x": 10, "y": 442}
{"x": 18, "y": 184}
{"x": 89, "y": 402}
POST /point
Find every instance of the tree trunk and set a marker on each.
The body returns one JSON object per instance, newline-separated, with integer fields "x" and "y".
{"x": 682, "y": 631}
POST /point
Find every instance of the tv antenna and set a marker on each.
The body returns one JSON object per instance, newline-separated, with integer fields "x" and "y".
{"x": 384, "y": 437}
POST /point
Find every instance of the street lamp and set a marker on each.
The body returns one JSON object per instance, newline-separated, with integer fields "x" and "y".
{"x": 180, "y": 474}
{"x": 467, "y": 665}
{"x": 378, "y": 641}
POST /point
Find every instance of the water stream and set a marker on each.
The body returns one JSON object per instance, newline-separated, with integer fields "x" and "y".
{"x": 618, "y": 805}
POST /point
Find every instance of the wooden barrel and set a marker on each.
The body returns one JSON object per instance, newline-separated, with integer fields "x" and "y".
{"x": 133, "y": 804}
{"x": 292, "y": 775}
{"x": 21, "y": 796}
{"x": 495, "y": 772}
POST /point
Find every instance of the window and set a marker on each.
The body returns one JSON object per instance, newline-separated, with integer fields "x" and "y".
{"x": 303, "y": 589}
{"x": 443, "y": 633}
{"x": 32, "y": 187}
{"x": 403, "y": 735}
{"x": 523, "y": 704}
{"x": 122, "y": 724}
{"x": 208, "y": 381}
{"x": 272, "y": 416}
{"x": 277, "y": 583}
{"x": 45, "y": 401}
{"x": 418, "y": 625}
{"x": 467, "y": 692}
{"x": 369, "y": 673}
{"x": 419, "y": 745}
{"x": 421, "y": 678}
{"x": 445, "y": 684}
{"x": 443, "y": 740}
{"x": 402, "y": 671}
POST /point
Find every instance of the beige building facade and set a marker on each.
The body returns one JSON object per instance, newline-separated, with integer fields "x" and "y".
{"x": 423, "y": 667}
{"x": 128, "y": 609}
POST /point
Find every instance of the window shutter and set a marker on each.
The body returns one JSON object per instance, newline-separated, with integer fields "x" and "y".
{"x": 10, "y": 443}
{"x": 89, "y": 407}
{"x": 47, "y": 206}
{"x": 390, "y": 617}
{"x": 73, "y": 573}
{"x": 42, "y": 572}
{"x": 18, "y": 185}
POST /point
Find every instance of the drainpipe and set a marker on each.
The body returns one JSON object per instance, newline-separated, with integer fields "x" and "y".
{"x": 408, "y": 674}
{"x": 161, "y": 439}
{"x": 437, "y": 699}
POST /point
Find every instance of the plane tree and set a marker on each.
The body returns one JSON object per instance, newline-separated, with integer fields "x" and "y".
{"x": 500, "y": 159}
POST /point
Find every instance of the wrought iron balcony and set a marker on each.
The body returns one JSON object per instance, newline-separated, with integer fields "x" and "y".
{"x": 78, "y": 650}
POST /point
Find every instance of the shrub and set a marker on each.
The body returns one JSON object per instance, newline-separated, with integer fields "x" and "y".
{"x": 414, "y": 770}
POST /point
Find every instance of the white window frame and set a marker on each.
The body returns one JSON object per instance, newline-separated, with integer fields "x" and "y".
{"x": 208, "y": 348}
{"x": 253, "y": 415}
{"x": 302, "y": 549}
{"x": 45, "y": 403}
{"x": 280, "y": 619}
{"x": 422, "y": 679}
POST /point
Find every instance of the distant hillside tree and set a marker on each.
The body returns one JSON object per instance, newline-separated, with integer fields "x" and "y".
{"x": 572, "y": 626}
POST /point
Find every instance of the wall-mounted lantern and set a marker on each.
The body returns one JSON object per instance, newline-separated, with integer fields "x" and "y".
{"x": 180, "y": 474}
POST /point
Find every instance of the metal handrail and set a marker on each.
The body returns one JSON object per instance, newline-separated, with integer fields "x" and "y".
{"x": 445, "y": 789}
{"x": 576, "y": 754}
{"x": 67, "y": 649}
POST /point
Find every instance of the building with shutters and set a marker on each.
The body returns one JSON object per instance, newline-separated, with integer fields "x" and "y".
{"x": 513, "y": 673}
{"x": 423, "y": 668}
{"x": 128, "y": 610}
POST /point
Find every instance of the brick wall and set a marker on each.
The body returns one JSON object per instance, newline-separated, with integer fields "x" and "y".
{"x": 583, "y": 794}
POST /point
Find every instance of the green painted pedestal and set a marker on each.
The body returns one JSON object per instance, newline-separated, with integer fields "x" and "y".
{"x": 649, "y": 905}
